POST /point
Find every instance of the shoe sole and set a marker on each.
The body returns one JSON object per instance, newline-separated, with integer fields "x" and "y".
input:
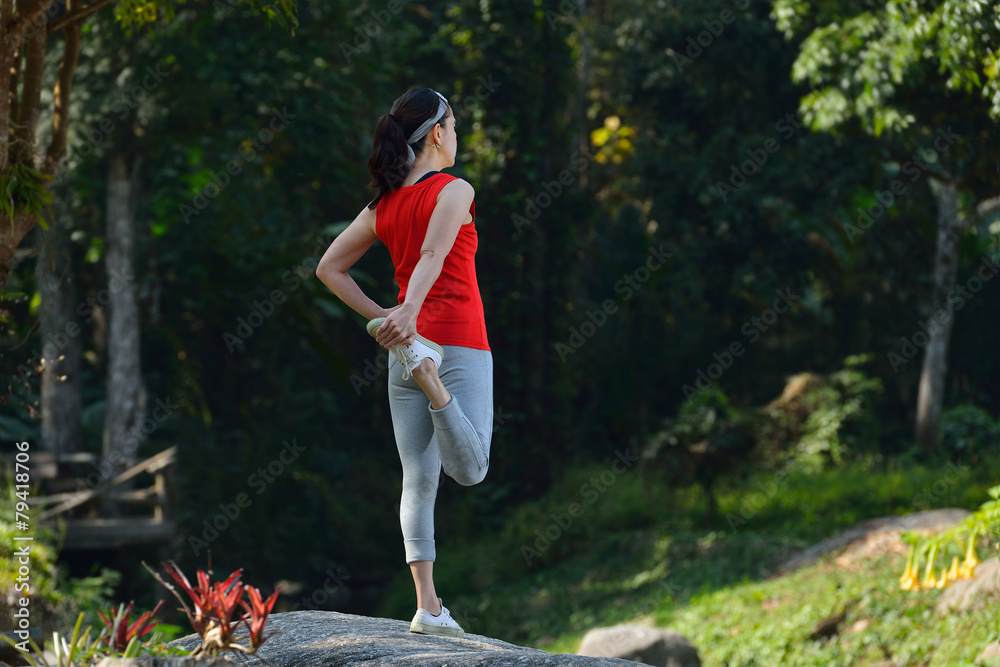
{"x": 422, "y": 629}
{"x": 373, "y": 326}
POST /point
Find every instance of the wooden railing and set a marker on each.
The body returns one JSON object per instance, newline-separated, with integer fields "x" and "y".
{"x": 92, "y": 531}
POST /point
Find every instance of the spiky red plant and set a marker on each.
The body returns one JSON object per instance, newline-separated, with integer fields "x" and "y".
{"x": 256, "y": 616}
{"x": 213, "y": 606}
{"x": 120, "y": 633}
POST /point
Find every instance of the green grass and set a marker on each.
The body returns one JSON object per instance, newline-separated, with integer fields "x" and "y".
{"x": 644, "y": 552}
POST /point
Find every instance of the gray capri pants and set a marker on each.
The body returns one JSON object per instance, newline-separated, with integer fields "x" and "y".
{"x": 456, "y": 437}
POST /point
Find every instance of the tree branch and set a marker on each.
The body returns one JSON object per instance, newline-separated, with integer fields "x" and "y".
{"x": 24, "y": 20}
{"x": 61, "y": 96}
{"x": 9, "y": 46}
{"x": 31, "y": 97}
{"x": 902, "y": 158}
{"x": 77, "y": 14}
{"x": 15, "y": 79}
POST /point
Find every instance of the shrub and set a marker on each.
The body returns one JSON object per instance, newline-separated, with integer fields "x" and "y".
{"x": 968, "y": 433}
{"x": 707, "y": 439}
{"x": 957, "y": 542}
{"x": 823, "y": 420}
{"x": 56, "y": 598}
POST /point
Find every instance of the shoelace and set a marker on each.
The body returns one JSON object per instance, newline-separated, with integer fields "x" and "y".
{"x": 403, "y": 357}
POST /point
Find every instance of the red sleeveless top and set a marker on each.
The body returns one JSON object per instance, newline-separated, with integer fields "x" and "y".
{"x": 452, "y": 312}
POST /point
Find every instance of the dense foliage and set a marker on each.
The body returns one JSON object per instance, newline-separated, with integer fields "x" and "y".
{"x": 658, "y": 223}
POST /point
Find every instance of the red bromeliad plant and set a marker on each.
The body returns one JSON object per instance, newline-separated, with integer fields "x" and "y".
{"x": 256, "y": 615}
{"x": 214, "y": 605}
{"x": 120, "y": 633}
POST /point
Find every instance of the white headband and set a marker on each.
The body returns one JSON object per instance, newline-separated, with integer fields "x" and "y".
{"x": 425, "y": 127}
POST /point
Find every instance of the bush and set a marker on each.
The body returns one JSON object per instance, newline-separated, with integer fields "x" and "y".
{"x": 708, "y": 439}
{"x": 823, "y": 420}
{"x": 57, "y": 599}
{"x": 968, "y": 433}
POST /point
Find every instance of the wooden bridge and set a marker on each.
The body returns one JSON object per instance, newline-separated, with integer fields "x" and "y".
{"x": 81, "y": 507}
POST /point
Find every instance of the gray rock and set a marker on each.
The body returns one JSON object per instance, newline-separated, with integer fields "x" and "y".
{"x": 981, "y": 590}
{"x": 330, "y": 639}
{"x": 638, "y": 643}
{"x": 151, "y": 661}
{"x": 990, "y": 657}
{"x": 875, "y": 537}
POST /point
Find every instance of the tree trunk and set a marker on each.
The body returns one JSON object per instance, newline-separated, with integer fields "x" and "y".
{"x": 30, "y": 105}
{"x": 126, "y": 405}
{"x": 28, "y": 21}
{"x": 935, "y": 369}
{"x": 62, "y": 430}
{"x": 26, "y": 31}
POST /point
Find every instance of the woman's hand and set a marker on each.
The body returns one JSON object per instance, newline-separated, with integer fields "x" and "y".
{"x": 399, "y": 327}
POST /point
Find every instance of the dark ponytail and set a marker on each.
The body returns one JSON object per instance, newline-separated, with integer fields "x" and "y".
{"x": 389, "y": 161}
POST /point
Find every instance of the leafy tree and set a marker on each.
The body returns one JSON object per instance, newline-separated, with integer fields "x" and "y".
{"x": 27, "y": 29}
{"x": 923, "y": 79}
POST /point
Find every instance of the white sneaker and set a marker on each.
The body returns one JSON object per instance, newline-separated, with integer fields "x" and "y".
{"x": 411, "y": 355}
{"x": 442, "y": 624}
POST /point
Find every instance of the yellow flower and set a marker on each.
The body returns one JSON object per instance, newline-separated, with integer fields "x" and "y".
{"x": 907, "y": 573}
{"x": 953, "y": 571}
{"x": 929, "y": 580}
{"x": 968, "y": 567}
{"x": 943, "y": 581}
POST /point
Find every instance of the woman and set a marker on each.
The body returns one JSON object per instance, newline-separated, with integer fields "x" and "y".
{"x": 426, "y": 220}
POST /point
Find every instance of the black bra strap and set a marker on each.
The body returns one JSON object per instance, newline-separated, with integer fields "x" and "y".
{"x": 427, "y": 175}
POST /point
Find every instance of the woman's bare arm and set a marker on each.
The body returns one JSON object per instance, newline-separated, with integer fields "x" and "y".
{"x": 345, "y": 250}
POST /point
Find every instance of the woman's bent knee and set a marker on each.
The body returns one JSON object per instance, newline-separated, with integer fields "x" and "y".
{"x": 471, "y": 478}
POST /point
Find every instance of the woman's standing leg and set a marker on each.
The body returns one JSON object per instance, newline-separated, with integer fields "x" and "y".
{"x": 457, "y": 434}
{"x": 414, "y": 430}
